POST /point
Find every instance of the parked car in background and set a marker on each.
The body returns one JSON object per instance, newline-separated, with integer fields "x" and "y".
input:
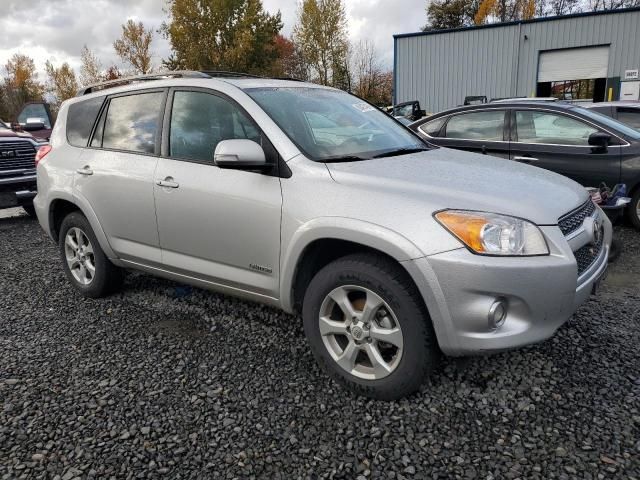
{"x": 579, "y": 143}
{"x": 36, "y": 118}
{"x": 17, "y": 168}
{"x": 624, "y": 111}
{"x": 310, "y": 199}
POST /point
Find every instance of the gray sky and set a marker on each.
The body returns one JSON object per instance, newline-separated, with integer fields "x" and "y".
{"x": 56, "y": 30}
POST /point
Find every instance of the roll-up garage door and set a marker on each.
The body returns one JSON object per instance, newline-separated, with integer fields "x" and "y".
{"x": 573, "y": 64}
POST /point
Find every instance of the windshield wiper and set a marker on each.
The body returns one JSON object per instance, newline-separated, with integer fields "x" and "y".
{"x": 401, "y": 151}
{"x": 345, "y": 158}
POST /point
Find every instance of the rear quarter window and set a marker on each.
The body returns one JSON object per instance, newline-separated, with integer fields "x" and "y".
{"x": 80, "y": 119}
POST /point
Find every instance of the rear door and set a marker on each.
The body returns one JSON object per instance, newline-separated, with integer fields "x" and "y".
{"x": 117, "y": 170}
{"x": 560, "y": 142}
{"x": 478, "y": 131}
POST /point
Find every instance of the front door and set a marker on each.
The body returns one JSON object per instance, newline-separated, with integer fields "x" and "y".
{"x": 219, "y": 225}
{"x": 560, "y": 143}
{"x": 117, "y": 171}
{"x": 481, "y": 131}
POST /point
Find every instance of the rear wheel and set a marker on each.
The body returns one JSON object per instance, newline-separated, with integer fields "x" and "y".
{"x": 85, "y": 264}
{"x": 367, "y": 327}
{"x": 633, "y": 209}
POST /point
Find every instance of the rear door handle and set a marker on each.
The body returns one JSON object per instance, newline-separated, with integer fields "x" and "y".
{"x": 168, "y": 183}
{"x": 86, "y": 170}
{"x": 525, "y": 159}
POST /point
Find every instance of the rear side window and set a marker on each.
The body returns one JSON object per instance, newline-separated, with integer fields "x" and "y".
{"x": 486, "y": 125}
{"x": 80, "y": 120}
{"x": 132, "y": 122}
{"x": 433, "y": 127}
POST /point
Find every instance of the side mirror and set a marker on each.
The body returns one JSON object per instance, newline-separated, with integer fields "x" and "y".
{"x": 599, "y": 140}
{"x": 32, "y": 126}
{"x": 240, "y": 154}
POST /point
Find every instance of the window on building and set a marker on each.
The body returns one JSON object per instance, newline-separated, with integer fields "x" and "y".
{"x": 573, "y": 89}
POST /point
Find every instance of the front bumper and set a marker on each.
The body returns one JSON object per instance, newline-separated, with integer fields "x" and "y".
{"x": 541, "y": 293}
{"x": 17, "y": 191}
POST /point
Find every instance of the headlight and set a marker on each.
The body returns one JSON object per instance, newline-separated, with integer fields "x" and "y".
{"x": 493, "y": 234}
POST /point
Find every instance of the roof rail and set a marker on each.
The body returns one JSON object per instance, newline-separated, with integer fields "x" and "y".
{"x": 141, "y": 78}
{"x": 223, "y": 74}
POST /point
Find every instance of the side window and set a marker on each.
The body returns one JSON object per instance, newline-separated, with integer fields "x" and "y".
{"x": 200, "y": 120}
{"x": 80, "y": 120}
{"x": 433, "y": 127}
{"x": 485, "y": 125}
{"x": 551, "y": 128}
{"x": 630, "y": 117}
{"x": 132, "y": 122}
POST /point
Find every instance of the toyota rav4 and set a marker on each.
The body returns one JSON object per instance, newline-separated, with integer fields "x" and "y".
{"x": 311, "y": 200}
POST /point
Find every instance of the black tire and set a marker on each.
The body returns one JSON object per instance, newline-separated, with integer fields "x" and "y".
{"x": 632, "y": 209}
{"x": 31, "y": 211}
{"x": 390, "y": 282}
{"x": 107, "y": 278}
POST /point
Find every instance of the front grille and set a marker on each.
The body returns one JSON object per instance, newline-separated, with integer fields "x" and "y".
{"x": 573, "y": 220}
{"x": 17, "y": 155}
{"x": 585, "y": 256}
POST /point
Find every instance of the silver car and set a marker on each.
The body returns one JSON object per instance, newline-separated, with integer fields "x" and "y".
{"x": 308, "y": 199}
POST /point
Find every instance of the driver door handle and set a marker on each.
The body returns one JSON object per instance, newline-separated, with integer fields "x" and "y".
{"x": 525, "y": 159}
{"x": 86, "y": 170}
{"x": 167, "y": 182}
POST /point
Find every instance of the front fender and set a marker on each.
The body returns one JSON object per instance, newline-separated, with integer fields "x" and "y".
{"x": 340, "y": 228}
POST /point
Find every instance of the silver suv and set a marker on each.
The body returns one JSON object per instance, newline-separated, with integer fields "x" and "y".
{"x": 311, "y": 200}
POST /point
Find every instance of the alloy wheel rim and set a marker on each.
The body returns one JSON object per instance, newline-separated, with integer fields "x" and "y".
{"x": 79, "y": 256}
{"x": 361, "y": 332}
{"x": 638, "y": 209}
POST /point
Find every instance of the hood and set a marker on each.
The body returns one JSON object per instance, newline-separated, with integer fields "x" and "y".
{"x": 445, "y": 178}
{"x": 10, "y": 133}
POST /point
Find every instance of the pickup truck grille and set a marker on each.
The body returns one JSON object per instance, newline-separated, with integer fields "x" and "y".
{"x": 17, "y": 155}
{"x": 573, "y": 220}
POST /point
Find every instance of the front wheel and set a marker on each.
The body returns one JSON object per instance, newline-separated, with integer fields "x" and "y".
{"x": 368, "y": 328}
{"x": 85, "y": 264}
{"x": 633, "y": 209}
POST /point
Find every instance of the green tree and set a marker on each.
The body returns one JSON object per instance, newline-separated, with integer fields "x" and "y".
{"x": 133, "y": 47}
{"x": 236, "y": 35}
{"x": 321, "y": 33}
{"x": 61, "y": 83}
{"x": 442, "y": 14}
{"x": 20, "y": 85}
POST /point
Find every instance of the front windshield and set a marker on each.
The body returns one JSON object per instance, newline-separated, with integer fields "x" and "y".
{"x": 610, "y": 122}
{"x": 331, "y": 125}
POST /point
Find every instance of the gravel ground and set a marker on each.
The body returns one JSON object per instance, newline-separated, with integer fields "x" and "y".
{"x": 152, "y": 383}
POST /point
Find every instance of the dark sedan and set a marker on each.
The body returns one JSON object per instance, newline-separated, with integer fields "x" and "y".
{"x": 582, "y": 144}
{"x": 624, "y": 111}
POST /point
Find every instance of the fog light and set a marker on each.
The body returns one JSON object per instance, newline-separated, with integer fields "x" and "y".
{"x": 497, "y": 314}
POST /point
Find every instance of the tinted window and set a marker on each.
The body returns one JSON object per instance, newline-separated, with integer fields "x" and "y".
{"x": 200, "y": 120}
{"x": 432, "y": 128}
{"x": 132, "y": 122}
{"x": 630, "y": 117}
{"x": 487, "y": 125}
{"x": 80, "y": 120}
{"x": 35, "y": 111}
{"x": 546, "y": 127}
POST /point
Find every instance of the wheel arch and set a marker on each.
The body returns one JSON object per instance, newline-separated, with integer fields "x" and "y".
{"x": 61, "y": 206}
{"x": 317, "y": 243}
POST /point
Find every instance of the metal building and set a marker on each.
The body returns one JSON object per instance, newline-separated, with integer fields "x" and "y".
{"x": 589, "y": 56}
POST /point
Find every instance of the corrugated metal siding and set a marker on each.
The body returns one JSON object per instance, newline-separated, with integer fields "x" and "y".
{"x": 441, "y": 69}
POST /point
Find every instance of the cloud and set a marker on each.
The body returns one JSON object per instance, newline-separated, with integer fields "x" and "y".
{"x": 59, "y": 28}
